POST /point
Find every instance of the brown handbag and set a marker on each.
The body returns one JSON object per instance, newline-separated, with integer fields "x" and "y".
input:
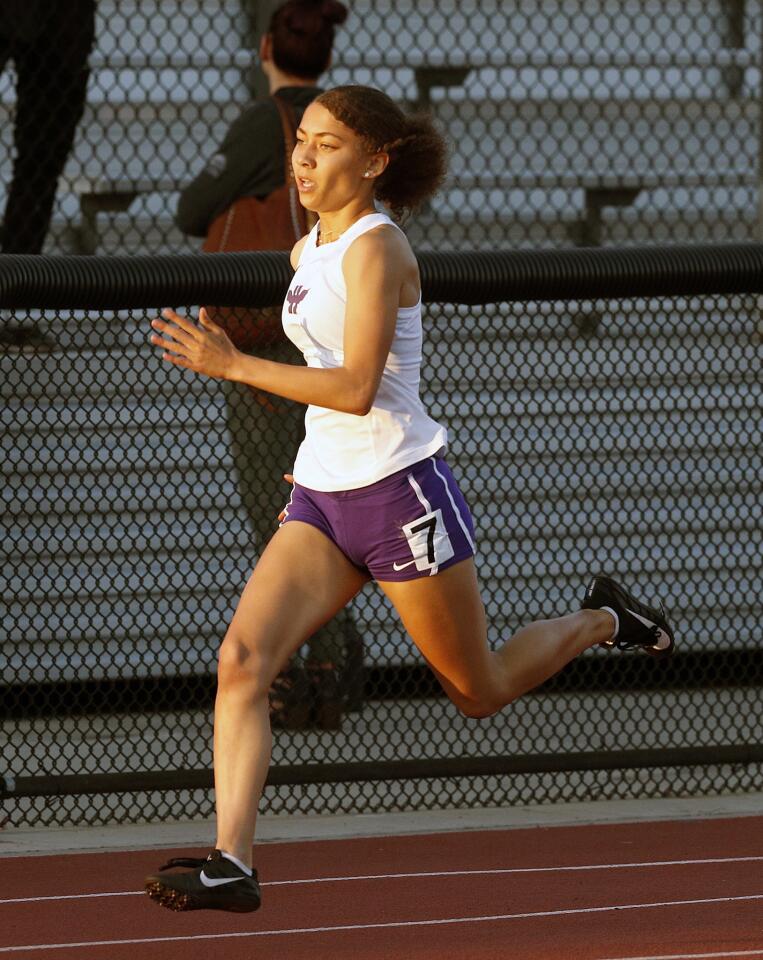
{"x": 275, "y": 222}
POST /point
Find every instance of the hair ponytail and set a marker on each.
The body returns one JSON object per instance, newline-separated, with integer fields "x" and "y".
{"x": 417, "y": 150}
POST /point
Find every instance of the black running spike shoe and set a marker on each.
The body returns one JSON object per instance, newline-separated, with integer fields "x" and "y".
{"x": 638, "y": 625}
{"x": 212, "y": 884}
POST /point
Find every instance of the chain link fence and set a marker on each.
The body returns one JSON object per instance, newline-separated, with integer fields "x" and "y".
{"x": 621, "y": 435}
{"x": 583, "y": 123}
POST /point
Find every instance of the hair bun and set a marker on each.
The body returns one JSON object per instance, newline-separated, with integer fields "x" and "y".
{"x": 312, "y": 16}
{"x": 333, "y": 11}
{"x": 303, "y": 35}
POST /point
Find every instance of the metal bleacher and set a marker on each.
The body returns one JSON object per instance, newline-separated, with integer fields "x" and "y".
{"x": 126, "y": 505}
{"x": 601, "y": 434}
{"x": 671, "y": 100}
{"x": 537, "y": 131}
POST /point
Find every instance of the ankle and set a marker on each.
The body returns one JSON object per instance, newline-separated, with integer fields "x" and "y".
{"x": 241, "y": 857}
{"x": 600, "y": 626}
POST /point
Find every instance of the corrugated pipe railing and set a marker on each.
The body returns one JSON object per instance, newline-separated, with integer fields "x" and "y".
{"x": 260, "y": 279}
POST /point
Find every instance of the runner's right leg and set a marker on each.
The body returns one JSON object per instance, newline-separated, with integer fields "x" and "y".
{"x": 301, "y": 580}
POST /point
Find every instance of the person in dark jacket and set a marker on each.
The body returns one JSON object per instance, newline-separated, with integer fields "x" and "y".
{"x": 294, "y": 52}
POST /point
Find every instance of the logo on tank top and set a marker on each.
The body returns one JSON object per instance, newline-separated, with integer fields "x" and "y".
{"x": 295, "y": 297}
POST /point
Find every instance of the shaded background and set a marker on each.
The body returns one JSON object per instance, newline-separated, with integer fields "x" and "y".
{"x": 584, "y": 122}
{"x": 622, "y": 435}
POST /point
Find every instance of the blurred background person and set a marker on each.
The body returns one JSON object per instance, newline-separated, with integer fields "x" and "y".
{"x": 245, "y": 199}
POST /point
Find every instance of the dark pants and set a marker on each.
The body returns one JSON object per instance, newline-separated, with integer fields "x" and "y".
{"x": 265, "y": 437}
{"x": 52, "y": 74}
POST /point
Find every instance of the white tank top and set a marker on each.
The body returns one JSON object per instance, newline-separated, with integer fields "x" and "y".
{"x": 342, "y": 451}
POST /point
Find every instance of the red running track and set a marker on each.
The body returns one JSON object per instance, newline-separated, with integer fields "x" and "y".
{"x": 666, "y": 889}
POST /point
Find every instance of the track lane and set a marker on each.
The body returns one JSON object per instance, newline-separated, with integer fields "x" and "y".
{"x": 416, "y": 900}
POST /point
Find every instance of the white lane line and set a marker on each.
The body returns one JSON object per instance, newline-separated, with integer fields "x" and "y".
{"x": 694, "y": 956}
{"x": 523, "y": 870}
{"x": 339, "y": 928}
{"x": 72, "y": 896}
{"x": 429, "y": 875}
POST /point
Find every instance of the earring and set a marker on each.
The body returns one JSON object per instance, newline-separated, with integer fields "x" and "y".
{"x": 367, "y": 173}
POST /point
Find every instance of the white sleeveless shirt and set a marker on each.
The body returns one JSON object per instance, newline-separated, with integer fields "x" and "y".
{"x": 343, "y": 451}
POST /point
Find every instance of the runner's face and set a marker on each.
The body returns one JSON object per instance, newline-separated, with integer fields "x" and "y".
{"x": 329, "y": 162}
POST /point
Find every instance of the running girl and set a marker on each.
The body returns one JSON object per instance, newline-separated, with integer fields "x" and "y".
{"x": 373, "y": 497}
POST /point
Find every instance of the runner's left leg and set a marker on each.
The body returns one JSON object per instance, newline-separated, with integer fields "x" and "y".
{"x": 445, "y": 617}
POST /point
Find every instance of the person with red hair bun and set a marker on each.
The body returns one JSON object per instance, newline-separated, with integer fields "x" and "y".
{"x": 294, "y": 52}
{"x": 244, "y": 199}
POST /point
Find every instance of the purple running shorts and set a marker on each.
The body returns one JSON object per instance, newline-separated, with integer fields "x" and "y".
{"x": 410, "y": 524}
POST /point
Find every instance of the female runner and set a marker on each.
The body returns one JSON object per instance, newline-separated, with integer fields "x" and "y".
{"x": 372, "y": 496}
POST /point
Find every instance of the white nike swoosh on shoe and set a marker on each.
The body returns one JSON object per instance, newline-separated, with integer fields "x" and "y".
{"x": 217, "y": 881}
{"x": 663, "y": 640}
{"x": 401, "y": 566}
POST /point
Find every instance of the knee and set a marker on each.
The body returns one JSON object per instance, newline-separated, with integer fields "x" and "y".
{"x": 244, "y": 664}
{"x": 478, "y": 711}
{"x": 479, "y": 704}
{"x": 485, "y": 697}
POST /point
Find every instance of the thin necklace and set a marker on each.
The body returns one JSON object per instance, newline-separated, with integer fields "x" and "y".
{"x": 329, "y": 236}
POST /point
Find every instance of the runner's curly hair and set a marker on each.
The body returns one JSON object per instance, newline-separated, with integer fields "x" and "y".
{"x": 417, "y": 150}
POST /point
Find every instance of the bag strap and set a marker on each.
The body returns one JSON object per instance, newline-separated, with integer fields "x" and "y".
{"x": 299, "y": 219}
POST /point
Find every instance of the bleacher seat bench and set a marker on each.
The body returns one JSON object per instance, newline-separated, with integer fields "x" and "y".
{"x": 616, "y": 189}
{"x": 100, "y": 195}
{"x": 601, "y": 190}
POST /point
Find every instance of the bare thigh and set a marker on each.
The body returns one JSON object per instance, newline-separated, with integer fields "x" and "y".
{"x": 445, "y": 617}
{"x": 301, "y": 580}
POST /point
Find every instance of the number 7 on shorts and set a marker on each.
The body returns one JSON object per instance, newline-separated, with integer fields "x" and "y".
{"x": 429, "y": 541}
